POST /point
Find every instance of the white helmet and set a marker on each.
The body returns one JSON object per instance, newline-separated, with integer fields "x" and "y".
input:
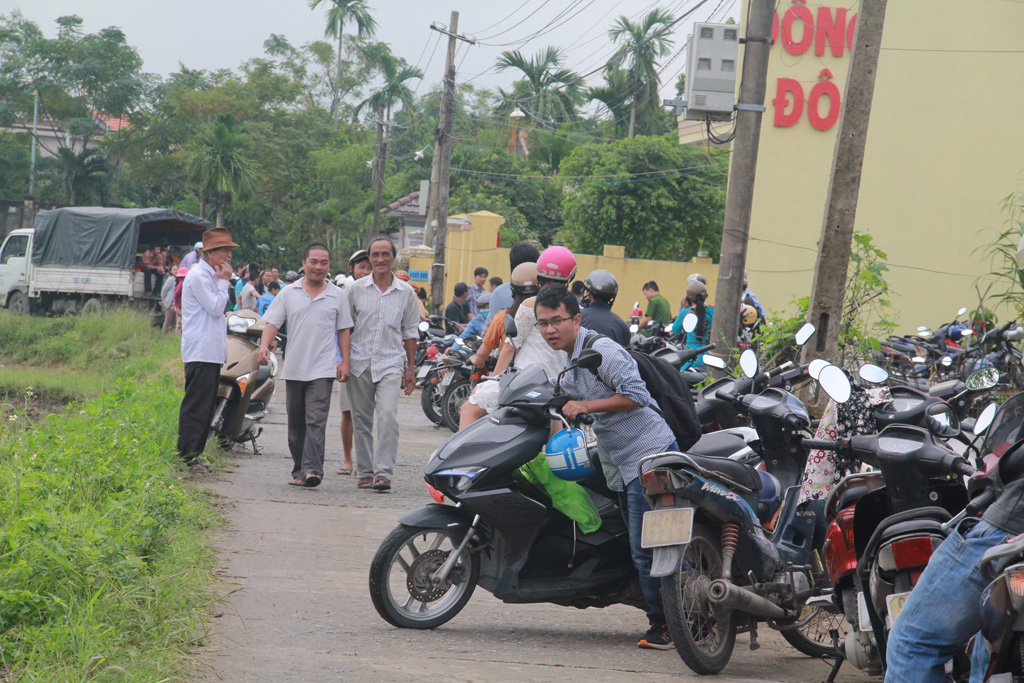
{"x": 343, "y": 280}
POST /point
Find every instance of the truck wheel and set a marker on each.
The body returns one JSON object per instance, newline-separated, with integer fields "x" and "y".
{"x": 92, "y": 306}
{"x": 17, "y": 304}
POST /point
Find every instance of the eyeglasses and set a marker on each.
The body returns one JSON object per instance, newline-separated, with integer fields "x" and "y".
{"x": 545, "y": 324}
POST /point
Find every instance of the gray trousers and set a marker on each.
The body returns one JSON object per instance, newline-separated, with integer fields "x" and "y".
{"x": 367, "y": 397}
{"x": 308, "y": 404}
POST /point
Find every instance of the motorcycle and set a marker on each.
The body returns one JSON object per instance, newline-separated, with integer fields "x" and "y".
{"x": 459, "y": 382}
{"x": 245, "y": 387}
{"x": 712, "y": 517}
{"x": 502, "y": 532}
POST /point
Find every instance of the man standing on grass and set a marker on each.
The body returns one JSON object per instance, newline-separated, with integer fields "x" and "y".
{"x": 312, "y": 307}
{"x": 386, "y": 317}
{"x": 204, "y": 343}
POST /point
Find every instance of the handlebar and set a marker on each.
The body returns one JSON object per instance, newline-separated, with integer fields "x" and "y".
{"x": 582, "y": 418}
{"x": 822, "y": 444}
{"x": 962, "y": 467}
{"x": 779, "y": 370}
{"x": 686, "y": 355}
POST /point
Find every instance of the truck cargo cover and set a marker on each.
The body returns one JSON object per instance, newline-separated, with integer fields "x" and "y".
{"x": 99, "y": 237}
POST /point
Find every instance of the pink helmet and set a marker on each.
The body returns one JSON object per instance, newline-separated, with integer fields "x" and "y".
{"x": 556, "y": 263}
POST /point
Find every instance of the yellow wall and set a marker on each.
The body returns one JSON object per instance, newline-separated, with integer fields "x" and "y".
{"x": 945, "y": 146}
{"x": 466, "y": 250}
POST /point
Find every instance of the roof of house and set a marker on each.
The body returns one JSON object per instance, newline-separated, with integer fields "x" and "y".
{"x": 409, "y": 204}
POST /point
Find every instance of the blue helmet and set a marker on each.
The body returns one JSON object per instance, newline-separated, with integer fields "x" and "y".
{"x": 567, "y": 455}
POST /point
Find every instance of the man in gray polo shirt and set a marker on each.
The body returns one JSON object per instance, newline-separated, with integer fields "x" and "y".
{"x": 315, "y": 310}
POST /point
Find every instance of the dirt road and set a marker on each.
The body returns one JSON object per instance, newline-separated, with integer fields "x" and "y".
{"x": 294, "y": 568}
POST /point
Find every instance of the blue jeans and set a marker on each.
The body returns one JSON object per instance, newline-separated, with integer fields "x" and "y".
{"x": 942, "y": 612}
{"x": 633, "y": 505}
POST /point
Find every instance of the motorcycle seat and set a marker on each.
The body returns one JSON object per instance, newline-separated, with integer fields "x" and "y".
{"x": 736, "y": 471}
{"x": 912, "y": 527}
{"x": 851, "y": 496}
{"x": 717, "y": 444}
{"x": 947, "y": 389}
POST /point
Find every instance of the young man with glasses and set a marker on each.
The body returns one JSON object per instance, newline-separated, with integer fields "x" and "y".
{"x": 626, "y": 422}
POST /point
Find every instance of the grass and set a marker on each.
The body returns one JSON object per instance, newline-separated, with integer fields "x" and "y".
{"x": 105, "y": 567}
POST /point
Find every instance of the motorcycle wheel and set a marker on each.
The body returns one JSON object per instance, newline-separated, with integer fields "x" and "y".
{"x": 703, "y": 638}
{"x": 400, "y": 585}
{"x": 458, "y": 393}
{"x": 813, "y": 638}
{"x": 429, "y": 401}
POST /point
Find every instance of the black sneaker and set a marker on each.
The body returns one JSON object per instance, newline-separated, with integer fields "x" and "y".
{"x": 657, "y": 638}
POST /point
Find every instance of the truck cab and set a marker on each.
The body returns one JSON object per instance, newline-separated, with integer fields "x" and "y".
{"x": 15, "y": 263}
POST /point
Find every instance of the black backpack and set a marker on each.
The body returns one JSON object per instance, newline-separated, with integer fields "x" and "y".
{"x": 666, "y": 386}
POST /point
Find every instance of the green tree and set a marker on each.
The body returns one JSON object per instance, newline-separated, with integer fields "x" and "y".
{"x": 548, "y": 92}
{"x": 641, "y": 45}
{"x": 614, "y": 194}
{"x": 75, "y": 178}
{"x": 615, "y": 96}
{"x": 339, "y": 13}
{"x": 221, "y": 166}
{"x": 15, "y": 150}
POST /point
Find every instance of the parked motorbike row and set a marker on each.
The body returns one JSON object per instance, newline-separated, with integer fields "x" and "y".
{"x": 734, "y": 543}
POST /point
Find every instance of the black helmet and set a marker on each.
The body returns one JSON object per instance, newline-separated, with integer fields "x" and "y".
{"x": 602, "y": 285}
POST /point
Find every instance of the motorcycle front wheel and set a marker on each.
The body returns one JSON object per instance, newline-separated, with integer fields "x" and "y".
{"x": 429, "y": 401}
{"x": 400, "y": 586}
{"x": 704, "y": 635}
{"x": 451, "y": 405}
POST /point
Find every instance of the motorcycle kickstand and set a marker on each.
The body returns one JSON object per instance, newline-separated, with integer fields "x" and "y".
{"x": 252, "y": 437}
{"x": 840, "y": 655}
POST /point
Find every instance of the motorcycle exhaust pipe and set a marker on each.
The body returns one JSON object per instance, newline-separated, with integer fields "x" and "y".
{"x": 726, "y": 594}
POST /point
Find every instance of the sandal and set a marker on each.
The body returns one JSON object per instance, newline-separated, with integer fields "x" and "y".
{"x": 382, "y": 484}
{"x": 196, "y": 467}
{"x": 312, "y": 481}
{"x": 296, "y": 482}
{"x": 345, "y": 471}
{"x": 365, "y": 483}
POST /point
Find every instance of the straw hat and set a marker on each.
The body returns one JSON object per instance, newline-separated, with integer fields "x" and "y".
{"x": 215, "y": 238}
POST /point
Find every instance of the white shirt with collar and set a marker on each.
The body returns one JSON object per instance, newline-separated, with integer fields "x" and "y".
{"x": 313, "y": 326}
{"x": 383, "y": 320}
{"x": 204, "y": 329}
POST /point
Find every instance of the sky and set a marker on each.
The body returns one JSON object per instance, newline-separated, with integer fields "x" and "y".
{"x": 218, "y": 34}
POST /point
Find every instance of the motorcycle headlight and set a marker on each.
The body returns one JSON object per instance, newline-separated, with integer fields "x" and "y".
{"x": 1015, "y": 586}
{"x": 461, "y": 478}
{"x": 239, "y": 325}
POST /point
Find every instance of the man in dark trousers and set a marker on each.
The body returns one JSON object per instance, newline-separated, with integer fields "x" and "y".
{"x": 204, "y": 342}
{"x": 602, "y": 288}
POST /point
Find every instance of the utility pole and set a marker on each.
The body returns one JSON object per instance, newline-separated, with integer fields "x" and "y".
{"x": 35, "y": 143}
{"x": 826, "y": 305}
{"x": 743, "y": 166}
{"x": 440, "y": 172}
{"x": 380, "y": 151}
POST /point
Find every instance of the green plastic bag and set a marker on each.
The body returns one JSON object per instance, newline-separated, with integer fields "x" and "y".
{"x": 568, "y": 497}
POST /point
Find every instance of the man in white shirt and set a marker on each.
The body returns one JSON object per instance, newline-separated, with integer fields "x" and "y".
{"x": 319, "y": 323}
{"x": 204, "y": 343}
{"x": 386, "y": 315}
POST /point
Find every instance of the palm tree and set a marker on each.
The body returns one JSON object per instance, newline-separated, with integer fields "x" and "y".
{"x": 394, "y": 91}
{"x": 339, "y": 13}
{"x": 614, "y": 95}
{"x": 640, "y": 46}
{"x": 77, "y": 178}
{"x": 220, "y": 163}
{"x": 548, "y": 92}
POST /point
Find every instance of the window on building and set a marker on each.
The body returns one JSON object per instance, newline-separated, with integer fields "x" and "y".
{"x": 730, "y": 34}
{"x": 704, "y": 64}
{"x": 706, "y": 32}
{"x": 728, "y": 65}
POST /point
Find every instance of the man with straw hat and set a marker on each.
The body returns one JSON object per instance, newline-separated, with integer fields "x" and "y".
{"x": 204, "y": 342}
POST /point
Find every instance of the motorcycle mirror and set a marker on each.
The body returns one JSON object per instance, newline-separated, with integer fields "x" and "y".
{"x": 424, "y": 326}
{"x": 636, "y": 305}
{"x": 986, "y": 378}
{"x": 510, "y": 326}
{"x": 966, "y": 333}
{"x": 946, "y": 361}
{"x": 872, "y": 373}
{"x": 942, "y": 421}
{"x": 459, "y": 342}
{"x": 589, "y": 359}
{"x": 926, "y": 332}
{"x": 984, "y": 420}
{"x": 816, "y": 366}
{"x": 961, "y": 311}
{"x": 922, "y": 329}
{"x": 748, "y": 362}
{"x": 713, "y": 361}
{"x": 689, "y": 322}
{"x": 634, "y": 328}
{"x": 805, "y": 333}
{"x": 835, "y": 383}
{"x": 917, "y": 359}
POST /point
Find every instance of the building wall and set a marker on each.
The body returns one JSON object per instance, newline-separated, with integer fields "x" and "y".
{"x": 945, "y": 147}
{"x": 468, "y": 249}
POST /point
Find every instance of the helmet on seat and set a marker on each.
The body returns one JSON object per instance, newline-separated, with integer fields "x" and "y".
{"x": 524, "y": 280}
{"x": 602, "y": 285}
{"x": 567, "y": 455}
{"x": 556, "y": 263}
{"x": 696, "y": 292}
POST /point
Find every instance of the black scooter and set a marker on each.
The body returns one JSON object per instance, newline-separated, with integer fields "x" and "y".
{"x": 502, "y": 531}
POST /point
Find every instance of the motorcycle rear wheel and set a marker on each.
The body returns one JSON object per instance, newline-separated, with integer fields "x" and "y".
{"x": 813, "y": 638}
{"x": 400, "y": 586}
{"x": 451, "y": 404}
{"x": 428, "y": 401}
{"x": 704, "y": 638}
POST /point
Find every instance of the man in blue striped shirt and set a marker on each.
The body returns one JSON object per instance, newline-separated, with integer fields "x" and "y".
{"x": 626, "y": 422}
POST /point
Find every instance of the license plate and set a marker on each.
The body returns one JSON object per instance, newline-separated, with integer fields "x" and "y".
{"x": 667, "y": 527}
{"x": 424, "y": 369}
{"x": 895, "y": 604}
{"x": 447, "y": 379}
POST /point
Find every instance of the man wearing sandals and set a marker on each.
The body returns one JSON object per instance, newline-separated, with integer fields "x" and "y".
{"x": 312, "y": 307}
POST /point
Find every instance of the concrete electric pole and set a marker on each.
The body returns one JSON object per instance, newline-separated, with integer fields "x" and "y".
{"x": 743, "y": 167}
{"x": 380, "y": 155}
{"x": 826, "y": 305}
{"x": 440, "y": 172}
